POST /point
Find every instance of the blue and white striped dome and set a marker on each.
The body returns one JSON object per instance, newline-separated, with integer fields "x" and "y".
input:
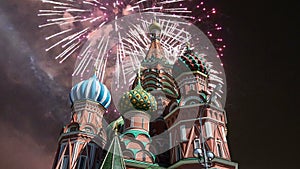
{"x": 91, "y": 89}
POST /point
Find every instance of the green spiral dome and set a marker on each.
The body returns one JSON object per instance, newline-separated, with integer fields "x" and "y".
{"x": 137, "y": 99}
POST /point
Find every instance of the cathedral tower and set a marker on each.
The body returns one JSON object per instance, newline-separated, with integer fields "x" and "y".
{"x": 136, "y": 107}
{"x": 197, "y": 125}
{"x": 82, "y": 140}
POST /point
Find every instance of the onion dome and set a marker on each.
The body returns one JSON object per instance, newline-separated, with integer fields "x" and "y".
{"x": 137, "y": 99}
{"x": 190, "y": 61}
{"x": 154, "y": 26}
{"x": 93, "y": 90}
{"x": 154, "y": 80}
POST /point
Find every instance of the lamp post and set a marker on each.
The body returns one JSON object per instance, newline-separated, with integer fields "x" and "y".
{"x": 207, "y": 155}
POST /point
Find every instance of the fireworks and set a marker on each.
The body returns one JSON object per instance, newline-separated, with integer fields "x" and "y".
{"x": 126, "y": 48}
{"x": 107, "y": 31}
{"x": 78, "y": 19}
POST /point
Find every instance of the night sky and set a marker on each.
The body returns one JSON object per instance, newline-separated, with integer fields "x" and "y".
{"x": 259, "y": 61}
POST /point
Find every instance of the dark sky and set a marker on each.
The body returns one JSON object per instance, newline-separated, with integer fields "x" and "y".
{"x": 260, "y": 64}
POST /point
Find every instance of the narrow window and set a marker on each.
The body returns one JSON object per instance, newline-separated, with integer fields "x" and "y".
{"x": 82, "y": 162}
{"x": 183, "y": 133}
{"x": 65, "y": 162}
{"x": 97, "y": 164}
{"x": 192, "y": 86}
{"x": 208, "y": 129}
{"x": 196, "y": 143}
{"x": 170, "y": 140}
{"x": 142, "y": 122}
{"x": 89, "y": 117}
{"x": 78, "y": 116}
{"x": 178, "y": 153}
{"x": 223, "y": 133}
{"x": 219, "y": 149}
{"x": 216, "y": 115}
{"x": 132, "y": 122}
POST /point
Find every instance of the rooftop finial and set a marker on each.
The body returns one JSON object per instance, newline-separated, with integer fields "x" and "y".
{"x": 95, "y": 67}
{"x": 139, "y": 76}
{"x": 155, "y": 29}
{"x": 154, "y": 19}
{"x": 188, "y": 48}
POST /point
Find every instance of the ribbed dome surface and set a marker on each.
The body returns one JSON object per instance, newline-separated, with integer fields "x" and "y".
{"x": 91, "y": 89}
{"x": 190, "y": 61}
{"x": 137, "y": 99}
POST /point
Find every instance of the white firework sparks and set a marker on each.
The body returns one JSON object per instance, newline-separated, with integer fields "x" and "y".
{"x": 78, "y": 18}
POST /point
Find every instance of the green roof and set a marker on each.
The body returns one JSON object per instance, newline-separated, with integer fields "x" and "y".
{"x": 114, "y": 157}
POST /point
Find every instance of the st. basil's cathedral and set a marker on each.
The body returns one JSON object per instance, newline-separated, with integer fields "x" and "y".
{"x": 168, "y": 120}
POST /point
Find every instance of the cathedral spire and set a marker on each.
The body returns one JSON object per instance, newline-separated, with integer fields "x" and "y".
{"x": 155, "y": 57}
{"x": 155, "y": 49}
{"x": 114, "y": 157}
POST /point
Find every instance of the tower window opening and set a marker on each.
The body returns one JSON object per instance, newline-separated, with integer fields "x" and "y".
{"x": 208, "y": 129}
{"x": 216, "y": 115}
{"x": 142, "y": 122}
{"x": 82, "y": 162}
{"x": 192, "y": 86}
{"x": 89, "y": 117}
{"x": 171, "y": 140}
{"x": 219, "y": 148}
{"x": 178, "y": 154}
{"x": 132, "y": 122}
{"x": 196, "y": 143}
{"x": 98, "y": 164}
{"x": 65, "y": 162}
{"x": 183, "y": 133}
{"x": 73, "y": 128}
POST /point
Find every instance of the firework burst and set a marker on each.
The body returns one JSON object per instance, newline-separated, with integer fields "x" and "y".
{"x": 126, "y": 48}
{"x": 78, "y": 19}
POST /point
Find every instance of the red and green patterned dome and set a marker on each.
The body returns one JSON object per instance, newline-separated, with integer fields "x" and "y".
{"x": 190, "y": 62}
{"x": 137, "y": 99}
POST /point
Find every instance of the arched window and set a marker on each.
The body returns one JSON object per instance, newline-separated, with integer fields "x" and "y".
{"x": 73, "y": 128}
{"x": 221, "y": 118}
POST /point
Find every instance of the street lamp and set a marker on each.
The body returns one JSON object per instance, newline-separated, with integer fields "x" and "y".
{"x": 202, "y": 153}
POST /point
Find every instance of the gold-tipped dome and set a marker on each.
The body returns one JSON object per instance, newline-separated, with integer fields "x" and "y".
{"x": 137, "y": 99}
{"x": 154, "y": 27}
{"x": 155, "y": 31}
